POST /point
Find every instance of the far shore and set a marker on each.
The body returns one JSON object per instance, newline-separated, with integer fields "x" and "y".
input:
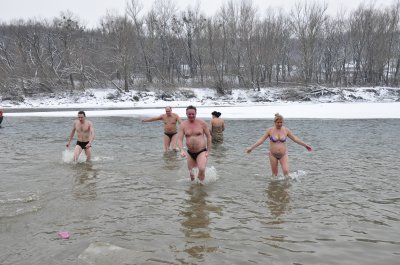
{"x": 299, "y": 110}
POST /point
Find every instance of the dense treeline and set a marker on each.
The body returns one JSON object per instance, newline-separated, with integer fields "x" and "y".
{"x": 240, "y": 46}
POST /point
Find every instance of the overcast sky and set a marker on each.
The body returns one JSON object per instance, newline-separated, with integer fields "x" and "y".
{"x": 90, "y": 11}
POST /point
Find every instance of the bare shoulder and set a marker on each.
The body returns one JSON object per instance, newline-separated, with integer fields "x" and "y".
{"x": 76, "y": 122}
{"x": 184, "y": 124}
{"x": 203, "y": 124}
{"x": 89, "y": 124}
{"x": 176, "y": 116}
{"x": 268, "y": 133}
{"x": 287, "y": 130}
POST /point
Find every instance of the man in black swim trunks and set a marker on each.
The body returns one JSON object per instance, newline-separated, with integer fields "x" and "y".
{"x": 85, "y": 132}
{"x": 198, "y": 148}
{"x": 170, "y": 120}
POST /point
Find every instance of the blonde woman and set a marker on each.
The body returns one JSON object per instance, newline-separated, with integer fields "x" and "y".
{"x": 278, "y": 135}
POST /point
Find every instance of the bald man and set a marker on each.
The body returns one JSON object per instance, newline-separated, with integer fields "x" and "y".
{"x": 170, "y": 120}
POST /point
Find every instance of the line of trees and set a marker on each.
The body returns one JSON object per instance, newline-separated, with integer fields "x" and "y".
{"x": 239, "y": 46}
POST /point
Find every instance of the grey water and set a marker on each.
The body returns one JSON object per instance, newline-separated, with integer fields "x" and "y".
{"x": 135, "y": 205}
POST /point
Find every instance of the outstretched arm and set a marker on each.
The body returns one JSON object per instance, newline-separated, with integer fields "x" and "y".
{"x": 297, "y": 140}
{"x": 259, "y": 142}
{"x": 153, "y": 119}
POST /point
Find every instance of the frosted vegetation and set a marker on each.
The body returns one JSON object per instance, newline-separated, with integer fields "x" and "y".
{"x": 303, "y": 53}
{"x": 106, "y": 98}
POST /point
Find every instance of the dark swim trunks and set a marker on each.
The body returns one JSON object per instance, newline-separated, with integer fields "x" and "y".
{"x": 194, "y": 155}
{"x": 170, "y": 135}
{"x": 82, "y": 144}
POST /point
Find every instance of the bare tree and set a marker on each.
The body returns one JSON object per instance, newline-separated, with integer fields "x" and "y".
{"x": 272, "y": 41}
{"x": 392, "y": 33}
{"x": 238, "y": 47}
{"x": 119, "y": 33}
{"x": 217, "y": 53}
{"x": 189, "y": 30}
{"x": 361, "y": 29}
{"x": 134, "y": 7}
{"x": 307, "y": 21}
{"x": 68, "y": 27}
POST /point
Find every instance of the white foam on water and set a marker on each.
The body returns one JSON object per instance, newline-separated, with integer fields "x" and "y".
{"x": 68, "y": 157}
{"x": 22, "y": 199}
{"x": 100, "y": 253}
{"x": 211, "y": 176}
{"x": 14, "y": 204}
{"x": 102, "y": 158}
{"x": 293, "y": 176}
{"x": 297, "y": 175}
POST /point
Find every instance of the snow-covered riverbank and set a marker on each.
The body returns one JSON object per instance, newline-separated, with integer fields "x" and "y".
{"x": 349, "y": 103}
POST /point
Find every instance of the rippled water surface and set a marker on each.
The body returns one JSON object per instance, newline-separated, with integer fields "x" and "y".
{"x": 135, "y": 205}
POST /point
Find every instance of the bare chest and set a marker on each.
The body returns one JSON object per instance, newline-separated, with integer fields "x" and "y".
{"x": 82, "y": 128}
{"x": 193, "y": 130}
{"x": 170, "y": 120}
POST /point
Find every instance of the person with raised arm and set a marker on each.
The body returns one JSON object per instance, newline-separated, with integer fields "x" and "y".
{"x": 278, "y": 135}
{"x": 170, "y": 120}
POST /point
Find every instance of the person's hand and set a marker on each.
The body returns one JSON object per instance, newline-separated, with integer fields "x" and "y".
{"x": 308, "y": 148}
{"x": 67, "y": 145}
{"x": 88, "y": 145}
{"x": 183, "y": 154}
{"x": 248, "y": 150}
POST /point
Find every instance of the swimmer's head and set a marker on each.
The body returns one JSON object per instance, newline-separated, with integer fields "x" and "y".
{"x": 81, "y": 116}
{"x": 191, "y": 107}
{"x": 278, "y": 117}
{"x": 191, "y": 112}
{"x": 216, "y": 114}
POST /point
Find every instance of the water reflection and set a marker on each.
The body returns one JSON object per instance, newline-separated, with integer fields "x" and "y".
{"x": 219, "y": 153}
{"x": 171, "y": 161}
{"x": 85, "y": 181}
{"x": 196, "y": 224}
{"x": 278, "y": 197}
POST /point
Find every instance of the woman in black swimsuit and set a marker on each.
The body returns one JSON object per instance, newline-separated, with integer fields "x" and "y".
{"x": 278, "y": 135}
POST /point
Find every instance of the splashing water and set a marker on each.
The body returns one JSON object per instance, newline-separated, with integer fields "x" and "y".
{"x": 68, "y": 157}
{"x": 102, "y": 158}
{"x": 211, "y": 176}
{"x": 297, "y": 175}
{"x": 294, "y": 176}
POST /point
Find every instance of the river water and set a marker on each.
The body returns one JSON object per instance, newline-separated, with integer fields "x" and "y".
{"x": 133, "y": 204}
